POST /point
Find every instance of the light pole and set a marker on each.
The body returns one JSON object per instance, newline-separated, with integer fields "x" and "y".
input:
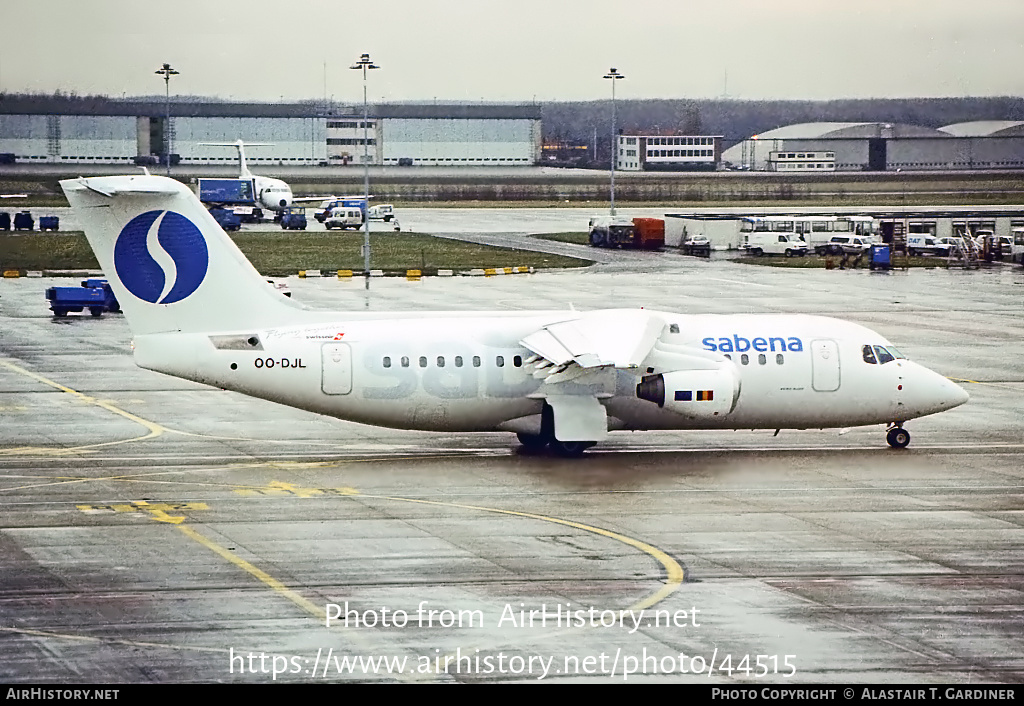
{"x": 614, "y": 75}
{"x": 167, "y": 72}
{"x": 365, "y": 64}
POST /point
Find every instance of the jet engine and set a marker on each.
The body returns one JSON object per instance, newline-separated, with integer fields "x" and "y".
{"x": 699, "y": 394}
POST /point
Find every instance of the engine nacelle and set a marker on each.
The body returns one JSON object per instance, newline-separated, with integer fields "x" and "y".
{"x": 699, "y": 394}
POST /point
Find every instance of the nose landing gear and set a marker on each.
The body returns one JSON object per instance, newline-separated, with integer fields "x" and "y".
{"x": 897, "y": 437}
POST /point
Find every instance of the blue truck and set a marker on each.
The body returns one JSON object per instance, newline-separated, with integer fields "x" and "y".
{"x": 226, "y": 218}
{"x": 293, "y": 219}
{"x": 343, "y": 202}
{"x": 224, "y": 192}
{"x": 94, "y": 295}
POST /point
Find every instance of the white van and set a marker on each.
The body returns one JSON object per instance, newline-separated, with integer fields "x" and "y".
{"x": 344, "y": 217}
{"x": 788, "y": 244}
{"x": 924, "y": 244}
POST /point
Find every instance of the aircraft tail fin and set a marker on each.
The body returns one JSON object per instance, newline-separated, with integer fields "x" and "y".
{"x": 240, "y": 145}
{"x": 171, "y": 266}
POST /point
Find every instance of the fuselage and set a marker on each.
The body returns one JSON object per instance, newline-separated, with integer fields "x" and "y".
{"x": 272, "y": 194}
{"x": 469, "y": 372}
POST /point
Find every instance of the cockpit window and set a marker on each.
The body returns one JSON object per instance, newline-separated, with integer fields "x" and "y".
{"x": 869, "y": 355}
{"x": 884, "y": 356}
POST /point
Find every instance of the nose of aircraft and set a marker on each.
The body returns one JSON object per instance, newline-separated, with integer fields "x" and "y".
{"x": 927, "y": 392}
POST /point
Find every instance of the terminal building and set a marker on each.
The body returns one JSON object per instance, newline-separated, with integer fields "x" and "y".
{"x": 844, "y": 147}
{"x": 55, "y": 130}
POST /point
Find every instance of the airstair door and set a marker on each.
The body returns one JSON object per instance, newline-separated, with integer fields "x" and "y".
{"x": 825, "y": 365}
{"x": 336, "y": 369}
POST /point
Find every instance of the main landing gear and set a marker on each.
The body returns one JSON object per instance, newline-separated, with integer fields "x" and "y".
{"x": 897, "y": 436}
{"x": 567, "y": 449}
{"x": 546, "y": 439}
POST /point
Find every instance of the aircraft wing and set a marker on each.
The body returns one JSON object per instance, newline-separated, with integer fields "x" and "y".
{"x": 613, "y": 338}
{"x": 311, "y": 199}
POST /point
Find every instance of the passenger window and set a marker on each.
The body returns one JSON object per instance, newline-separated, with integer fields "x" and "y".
{"x": 518, "y": 361}
{"x": 761, "y": 359}
{"x": 744, "y": 359}
{"x": 405, "y": 361}
{"x": 476, "y": 361}
{"x": 440, "y": 361}
{"x": 779, "y": 359}
{"x": 884, "y": 356}
{"x": 869, "y": 355}
{"x": 423, "y": 361}
{"x": 458, "y": 361}
{"x": 673, "y": 328}
{"x": 728, "y": 356}
{"x": 387, "y": 361}
{"x": 500, "y": 360}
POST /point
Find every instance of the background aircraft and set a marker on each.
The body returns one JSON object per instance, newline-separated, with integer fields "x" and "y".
{"x": 558, "y": 379}
{"x": 271, "y": 194}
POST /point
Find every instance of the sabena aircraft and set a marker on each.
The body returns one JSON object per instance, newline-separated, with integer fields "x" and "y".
{"x": 558, "y": 379}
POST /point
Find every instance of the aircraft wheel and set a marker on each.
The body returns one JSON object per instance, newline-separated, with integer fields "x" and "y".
{"x": 570, "y": 449}
{"x": 533, "y": 442}
{"x": 898, "y": 437}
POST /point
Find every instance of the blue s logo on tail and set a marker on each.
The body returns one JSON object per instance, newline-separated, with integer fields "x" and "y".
{"x": 161, "y": 257}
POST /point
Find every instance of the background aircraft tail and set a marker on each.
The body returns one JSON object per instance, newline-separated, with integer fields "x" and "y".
{"x": 169, "y": 263}
{"x": 240, "y": 145}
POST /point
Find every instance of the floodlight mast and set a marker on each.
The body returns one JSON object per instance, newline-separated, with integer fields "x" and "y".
{"x": 167, "y": 72}
{"x": 365, "y": 64}
{"x": 614, "y": 75}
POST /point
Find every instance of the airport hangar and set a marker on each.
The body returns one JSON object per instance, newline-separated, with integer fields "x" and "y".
{"x": 878, "y": 147}
{"x": 48, "y": 130}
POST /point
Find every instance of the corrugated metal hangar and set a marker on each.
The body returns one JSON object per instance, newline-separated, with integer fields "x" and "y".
{"x": 41, "y": 130}
{"x": 817, "y": 147}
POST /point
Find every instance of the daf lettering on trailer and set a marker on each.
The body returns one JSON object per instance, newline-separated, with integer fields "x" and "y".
{"x": 561, "y": 380}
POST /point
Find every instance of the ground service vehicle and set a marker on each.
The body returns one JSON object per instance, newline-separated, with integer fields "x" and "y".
{"x": 920, "y": 244}
{"x": 94, "y": 295}
{"x": 23, "y": 220}
{"x": 329, "y": 205}
{"x": 839, "y": 244}
{"x": 611, "y": 231}
{"x": 561, "y": 380}
{"x": 788, "y": 244}
{"x": 382, "y": 212}
{"x": 226, "y": 218}
{"x": 225, "y": 192}
{"x": 293, "y": 219}
{"x": 344, "y": 217}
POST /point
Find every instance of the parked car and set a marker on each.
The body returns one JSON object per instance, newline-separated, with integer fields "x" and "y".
{"x": 839, "y": 244}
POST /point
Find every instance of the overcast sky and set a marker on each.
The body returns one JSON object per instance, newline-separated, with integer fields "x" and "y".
{"x": 522, "y": 50}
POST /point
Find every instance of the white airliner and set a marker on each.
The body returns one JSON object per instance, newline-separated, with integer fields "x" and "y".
{"x": 561, "y": 379}
{"x": 271, "y": 194}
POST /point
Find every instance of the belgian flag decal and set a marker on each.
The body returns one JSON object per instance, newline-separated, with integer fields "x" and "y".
{"x": 702, "y": 395}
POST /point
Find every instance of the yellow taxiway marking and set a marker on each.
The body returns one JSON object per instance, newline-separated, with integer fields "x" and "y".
{"x": 154, "y": 428}
{"x": 278, "y": 587}
{"x": 110, "y": 641}
{"x": 159, "y": 511}
{"x": 674, "y": 573}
